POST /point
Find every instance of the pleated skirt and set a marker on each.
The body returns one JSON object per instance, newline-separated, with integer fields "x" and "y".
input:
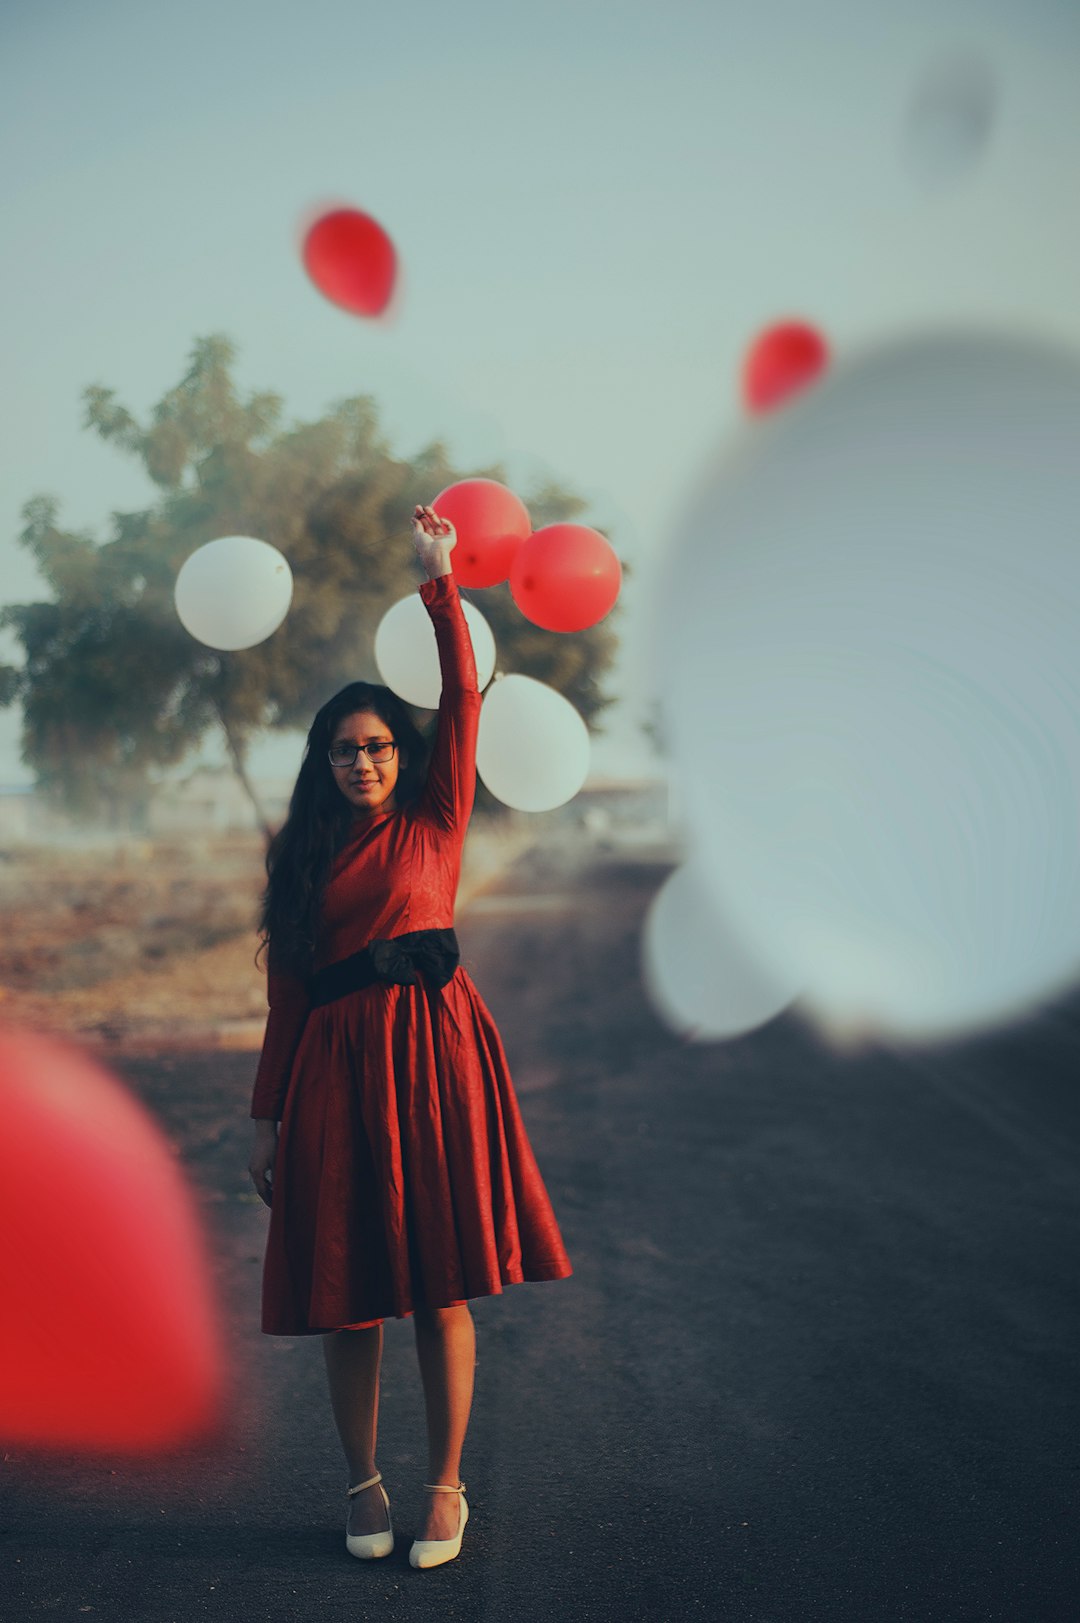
{"x": 404, "y": 1177}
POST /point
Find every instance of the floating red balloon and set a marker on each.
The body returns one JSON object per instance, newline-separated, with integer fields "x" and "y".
{"x": 491, "y": 524}
{"x": 565, "y": 577}
{"x": 351, "y": 260}
{"x": 781, "y": 361}
{"x": 110, "y": 1337}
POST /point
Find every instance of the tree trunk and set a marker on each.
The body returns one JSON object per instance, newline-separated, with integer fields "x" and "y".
{"x": 236, "y": 755}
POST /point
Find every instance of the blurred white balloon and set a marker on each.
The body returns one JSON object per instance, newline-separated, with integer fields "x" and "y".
{"x": 698, "y": 973}
{"x": 870, "y": 628}
{"x": 950, "y": 118}
{"x": 234, "y": 592}
{"x": 408, "y": 655}
{"x": 533, "y": 748}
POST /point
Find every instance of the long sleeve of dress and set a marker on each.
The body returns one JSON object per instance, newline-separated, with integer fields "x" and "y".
{"x": 451, "y": 786}
{"x": 289, "y": 1003}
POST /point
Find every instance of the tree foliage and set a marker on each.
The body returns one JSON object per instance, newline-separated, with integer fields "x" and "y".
{"x": 113, "y": 687}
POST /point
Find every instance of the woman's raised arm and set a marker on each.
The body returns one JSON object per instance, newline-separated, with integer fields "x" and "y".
{"x": 451, "y": 785}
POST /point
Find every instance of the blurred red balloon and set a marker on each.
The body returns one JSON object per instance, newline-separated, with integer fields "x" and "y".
{"x": 491, "y": 524}
{"x": 110, "y": 1337}
{"x": 351, "y": 260}
{"x": 565, "y": 577}
{"x": 781, "y": 361}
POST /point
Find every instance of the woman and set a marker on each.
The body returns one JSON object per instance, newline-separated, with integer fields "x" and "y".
{"x": 403, "y": 1182}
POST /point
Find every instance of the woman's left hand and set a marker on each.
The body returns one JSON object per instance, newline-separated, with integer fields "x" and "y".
{"x": 434, "y": 538}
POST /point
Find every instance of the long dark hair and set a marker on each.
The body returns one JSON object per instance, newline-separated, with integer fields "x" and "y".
{"x": 320, "y": 819}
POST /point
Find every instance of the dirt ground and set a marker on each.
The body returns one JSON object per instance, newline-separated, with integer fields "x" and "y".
{"x": 132, "y": 944}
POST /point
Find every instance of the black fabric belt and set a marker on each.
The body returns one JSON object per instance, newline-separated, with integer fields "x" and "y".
{"x": 400, "y": 960}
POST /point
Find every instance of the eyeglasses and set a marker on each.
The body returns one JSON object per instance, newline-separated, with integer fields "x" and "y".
{"x": 380, "y": 749}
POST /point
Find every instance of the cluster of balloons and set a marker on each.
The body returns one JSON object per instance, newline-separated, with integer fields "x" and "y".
{"x": 111, "y": 1339}
{"x": 868, "y": 629}
{"x": 533, "y": 746}
{"x": 533, "y": 750}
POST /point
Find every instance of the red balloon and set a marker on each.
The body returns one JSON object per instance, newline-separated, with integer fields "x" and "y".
{"x": 781, "y": 361}
{"x": 110, "y": 1335}
{"x": 491, "y": 524}
{"x": 565, "y": 577}
{"x": 352, "y": 261}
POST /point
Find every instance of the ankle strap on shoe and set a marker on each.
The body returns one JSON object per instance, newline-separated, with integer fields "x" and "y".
{"x": 443, "y": 1487}
{"x": 360, "y": 1486}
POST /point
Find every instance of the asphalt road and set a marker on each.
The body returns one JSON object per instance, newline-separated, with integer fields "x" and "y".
{"x": 817, "y": 1360}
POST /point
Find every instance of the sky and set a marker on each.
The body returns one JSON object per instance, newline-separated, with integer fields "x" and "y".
{"x": 597, "y": 207}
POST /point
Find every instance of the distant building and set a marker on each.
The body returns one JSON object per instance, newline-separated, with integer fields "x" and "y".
{"x": 211, "y": 800}
{"x": 626, "y": 800}
{"x": 619, "y": 808}
{"x": 206, "y": 800}
{"x": 25, "y": 816}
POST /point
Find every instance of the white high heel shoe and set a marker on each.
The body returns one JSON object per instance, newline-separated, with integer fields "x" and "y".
{"x": 432, "y": 1552}
{"x": 369, "y": 1546}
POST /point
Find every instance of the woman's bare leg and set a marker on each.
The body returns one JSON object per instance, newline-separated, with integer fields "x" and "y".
{"x": 446, "y": 1350}
{"x": 353, "y": 1358}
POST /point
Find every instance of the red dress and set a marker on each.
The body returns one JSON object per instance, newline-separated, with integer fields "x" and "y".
{"x": 403, "y": 1176}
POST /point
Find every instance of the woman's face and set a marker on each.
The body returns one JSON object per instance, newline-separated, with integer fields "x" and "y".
{"x": 367, "y": 785}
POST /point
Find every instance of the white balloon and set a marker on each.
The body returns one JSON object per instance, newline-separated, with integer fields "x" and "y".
{"x": 533, "y": 748}
{"x": 698, "y": 972}
{"x": 408, "y": 655}
{"x": 234, "y": 592}
{"x": 873, "y": 690}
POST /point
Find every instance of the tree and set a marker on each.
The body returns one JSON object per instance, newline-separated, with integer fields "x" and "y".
{"x": 113, "y": 687}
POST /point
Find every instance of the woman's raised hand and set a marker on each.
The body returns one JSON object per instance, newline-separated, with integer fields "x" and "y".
{"x": 434, "y": 538}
